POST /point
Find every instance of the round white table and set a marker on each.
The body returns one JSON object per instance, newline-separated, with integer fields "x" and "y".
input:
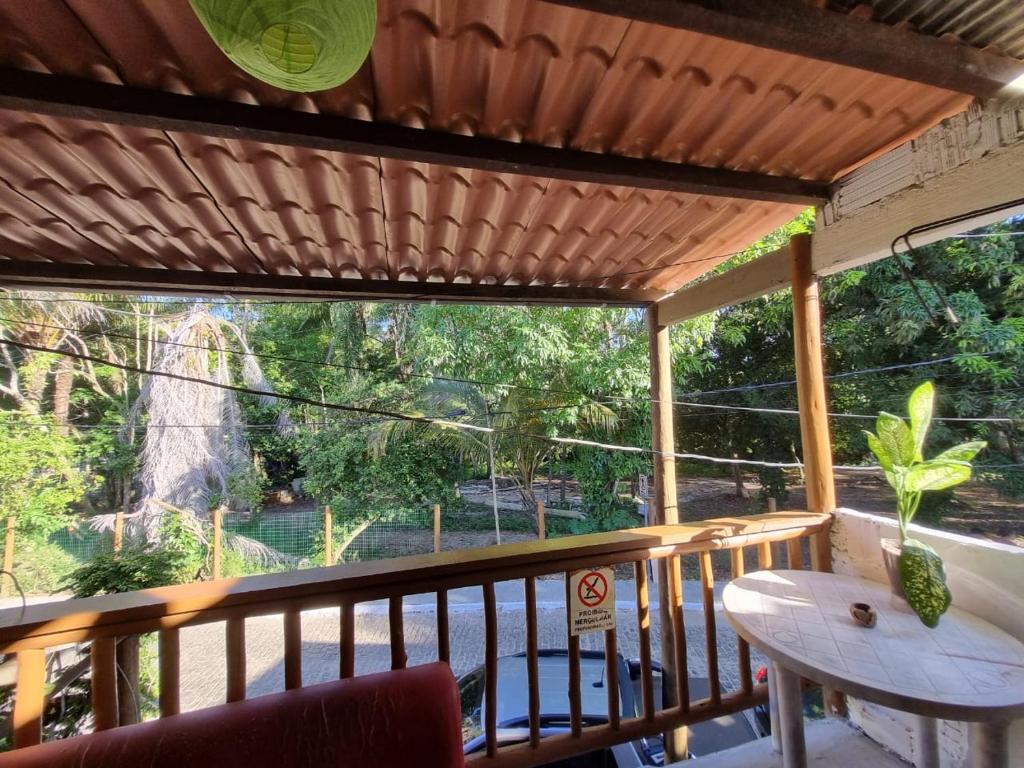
{"x": 965, "y": 669}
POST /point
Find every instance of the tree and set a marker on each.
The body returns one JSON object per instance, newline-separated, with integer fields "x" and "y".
{"x": 517, "y": 423}
{"x": 39, "y": 476}
{"x": 195, "y": 450}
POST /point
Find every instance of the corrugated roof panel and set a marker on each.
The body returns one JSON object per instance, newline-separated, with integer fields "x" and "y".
{"x": 981, "y": 23}
{"x": 522, "y": 70}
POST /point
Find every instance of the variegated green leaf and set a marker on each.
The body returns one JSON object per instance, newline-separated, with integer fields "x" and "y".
{"x": 924, "y": 581}
{"x": 896, "y": 438}
{"x": 936, "y": 475}
{"x": 922, "y": 400}
{"x": 880, "y": 452}
{"x": 962, "y": 452}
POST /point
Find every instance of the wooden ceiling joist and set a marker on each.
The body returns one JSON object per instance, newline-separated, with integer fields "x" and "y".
{"x": 21, "y": 275}
{"x": 797, "y": 27}
{"x": 62, "y": 96}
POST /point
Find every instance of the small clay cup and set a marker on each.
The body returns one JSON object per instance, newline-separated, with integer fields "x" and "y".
{"x": 863, "y": 614}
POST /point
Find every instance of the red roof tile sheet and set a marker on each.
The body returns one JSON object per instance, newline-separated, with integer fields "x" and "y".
{"x": 521, "y": 70}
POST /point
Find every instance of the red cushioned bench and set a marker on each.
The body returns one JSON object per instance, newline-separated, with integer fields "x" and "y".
{"x": 402, "y": 718}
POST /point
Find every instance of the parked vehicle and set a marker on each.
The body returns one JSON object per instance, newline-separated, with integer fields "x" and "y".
{"x": 513, "y": 709}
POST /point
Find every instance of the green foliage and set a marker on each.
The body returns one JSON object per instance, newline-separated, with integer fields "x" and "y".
{"x": 41, "y": 566}
{"x": 39, "y": 476}
{"x": 899, "y": 449}
{"x": 773, "y": 484}
{"x": 924, "y": 581}
{"x": 135, "y": 567}
{"x": 176, "y": 559}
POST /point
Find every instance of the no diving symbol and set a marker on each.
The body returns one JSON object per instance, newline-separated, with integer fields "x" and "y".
{"x": 592, "y": 589}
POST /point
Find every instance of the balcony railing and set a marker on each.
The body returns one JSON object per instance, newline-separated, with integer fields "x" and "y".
{"x": 100, "y": 621}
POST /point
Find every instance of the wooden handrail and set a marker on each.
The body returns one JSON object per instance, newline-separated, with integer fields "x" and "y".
{"x": 103, "y": 620}
{"x": 48, "y": 624}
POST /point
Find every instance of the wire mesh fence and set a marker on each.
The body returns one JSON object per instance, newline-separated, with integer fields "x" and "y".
{"x": 293, "y": 538}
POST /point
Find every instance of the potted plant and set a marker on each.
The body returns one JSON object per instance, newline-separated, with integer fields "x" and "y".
{"x": 915, "y": 569}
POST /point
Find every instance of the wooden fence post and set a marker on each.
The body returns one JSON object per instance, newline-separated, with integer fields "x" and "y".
{"x": 437, "y": 528}
{"x": 328, "y": 536}
{"x": 541, "y": 532}
{"x": 8, "y": 558}
{"x": 771, "y": 504}
{"x": 217, "y": 515}
{"x": 118, "y": 530}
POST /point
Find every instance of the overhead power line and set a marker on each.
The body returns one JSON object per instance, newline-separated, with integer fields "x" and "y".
{"x": 433, "y": 421}
{"x": 607, "y": 399}
{"x": 793, "y": 412}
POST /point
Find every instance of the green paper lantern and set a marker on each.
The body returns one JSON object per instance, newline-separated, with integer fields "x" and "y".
{"x": 298, "y": 45}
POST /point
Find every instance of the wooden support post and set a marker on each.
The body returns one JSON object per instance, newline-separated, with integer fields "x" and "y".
{"x": 810, "y": 378}
{"x": 665, "y": 507}
{"x": 437, "y": 528}
{"x": 118, "y": 530}
{"x": 7, "y": 580}
{"x": 541, "y": 531}
{"x": 813, "y": 403}
{"x": 329, "y": 536}
{"x": 217, "y": 523}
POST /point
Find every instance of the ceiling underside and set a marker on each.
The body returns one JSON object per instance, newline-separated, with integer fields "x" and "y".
{"x": 86, "y": 193}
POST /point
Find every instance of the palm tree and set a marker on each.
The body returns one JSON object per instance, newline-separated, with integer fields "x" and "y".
{"x": 49, "y": 320}
{"x": 519, "y": 422}
{"x": 195, "y": 434}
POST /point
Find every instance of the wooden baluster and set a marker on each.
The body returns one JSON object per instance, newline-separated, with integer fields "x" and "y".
{"x": 679, "y": 633}
{"x": 795, "y": 554}
{"x": 532, "y": 664}
{"x": 611, "y": 673}
{"x": 27, "y": 725}
{"x": 643, "y": 616}
{"x": 821, "y": 551}
{"x": 5, "y": 580}
{"x": 490, "y": 670}
{"x": 292, "y": 649}
{"x": 234, "y": 640}
{"x": 397, "y": 632}
{"x": 707, "y": 580}
{"x": 444, "y": 650}
{"x": 103, "y": 682}
{"x": 743, "y": 648}
{"x": 347, "y": 651}
{"x": 170, "y": 672}
{"x": 575, "y": 683}
{"x": 764, "y": 555}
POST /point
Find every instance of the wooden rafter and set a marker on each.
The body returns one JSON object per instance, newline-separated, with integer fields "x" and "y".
{"x": 86, "y": 277}
{"x": 63, "y": 96}
{"x": 796, "y": 26}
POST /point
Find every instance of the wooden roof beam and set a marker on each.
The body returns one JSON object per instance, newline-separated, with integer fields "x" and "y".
{"x": 63, "y": 96}
{"x": 797, "y": 27}
{"x": 37, "y": 275}
{"x": 763, "y": 275}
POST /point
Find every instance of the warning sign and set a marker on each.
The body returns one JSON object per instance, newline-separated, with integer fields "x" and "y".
{"x": 591, "y": 600}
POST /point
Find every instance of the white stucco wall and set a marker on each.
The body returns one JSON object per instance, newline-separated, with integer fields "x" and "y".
{"x": 985, "y": 578}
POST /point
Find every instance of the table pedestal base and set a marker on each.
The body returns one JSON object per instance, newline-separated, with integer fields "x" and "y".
{"x": 989, "y": 745}
{"x": 791, "y": 718}
{"x": 927, "y": 742}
